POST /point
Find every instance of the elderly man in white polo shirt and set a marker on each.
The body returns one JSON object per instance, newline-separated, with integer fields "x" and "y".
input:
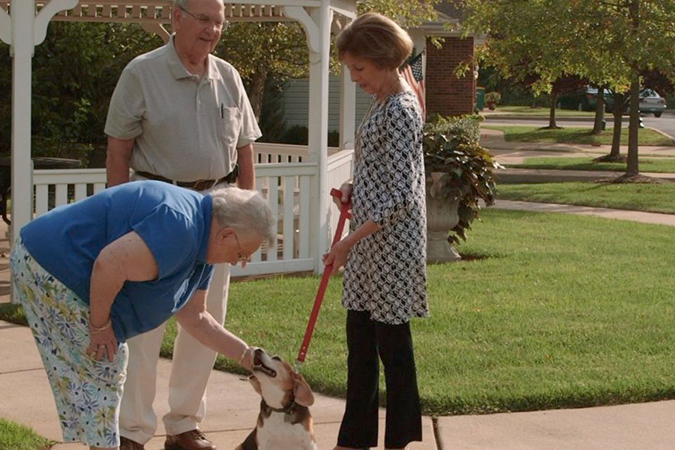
{"x": 180, "y": 115}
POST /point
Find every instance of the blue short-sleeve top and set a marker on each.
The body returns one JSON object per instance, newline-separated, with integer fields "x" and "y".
{"x": 173, "y": 222}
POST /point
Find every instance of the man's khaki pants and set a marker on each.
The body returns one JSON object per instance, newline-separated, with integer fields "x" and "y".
{"x": 190, "y": 370}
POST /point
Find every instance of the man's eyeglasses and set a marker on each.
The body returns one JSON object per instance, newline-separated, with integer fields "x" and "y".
{"x": 205, "y": 20}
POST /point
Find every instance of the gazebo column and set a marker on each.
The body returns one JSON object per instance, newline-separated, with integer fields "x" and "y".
{"x": 347, "y": 92}
{"x": 23, "y": 23}
{"x": 319, "y": 70}
{"x": 27, "y": 31}
{"x": 317, "y": 24}
{"x": 347, "y": 110}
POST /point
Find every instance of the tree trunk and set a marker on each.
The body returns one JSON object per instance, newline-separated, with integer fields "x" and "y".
{"x": 551, "y": 120}
{"x": 634, "y": 127}
{"x": 599, "y": 112}
{"x": 632, "y": 169}
{"x": 619, "y": 101}
{"x": 615, "y": 154}
{"x": 258, "y": 80}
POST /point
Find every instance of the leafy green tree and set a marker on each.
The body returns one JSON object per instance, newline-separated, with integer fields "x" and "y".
{"x": 611, "y": 43}
{"x": 635, "y": 37}
{"x": 261, "y": 51}
{"x": 525, "y": 44}
{"x": 5, "y": 98}
{"x": 74, "y": 74}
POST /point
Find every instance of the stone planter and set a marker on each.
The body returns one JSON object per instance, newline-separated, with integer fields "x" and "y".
{"x": 441, "y": 218}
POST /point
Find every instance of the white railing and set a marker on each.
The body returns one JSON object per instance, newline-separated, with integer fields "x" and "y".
{"x": 284, "y": 153}
{"x": 287, "y": 186}
{"x": 61, "y": 186}
{"x": 339, "y": 170}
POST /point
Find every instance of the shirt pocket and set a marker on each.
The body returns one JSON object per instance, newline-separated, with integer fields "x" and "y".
{"x": 229, "y": 126}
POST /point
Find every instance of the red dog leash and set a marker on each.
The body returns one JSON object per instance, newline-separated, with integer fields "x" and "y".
{"x": 344, "y": 215}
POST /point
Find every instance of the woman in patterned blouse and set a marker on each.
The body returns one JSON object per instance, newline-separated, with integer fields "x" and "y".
{"x": 385, "y": 253}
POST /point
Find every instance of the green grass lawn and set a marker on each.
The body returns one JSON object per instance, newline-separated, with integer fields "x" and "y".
{"x": 539, "y": 111}
{"x": 636, "y": 197}
{"x": 549, "y": 311}
{"x": 17, "y": 437}
{"x": 517, "y": 133}
{"x": 660, "y": 165}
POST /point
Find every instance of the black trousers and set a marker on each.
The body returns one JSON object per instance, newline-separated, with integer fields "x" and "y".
{"x": 366, "y": 339}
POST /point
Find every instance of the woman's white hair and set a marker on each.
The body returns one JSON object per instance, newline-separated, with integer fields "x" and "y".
{"x": 245, "y": 211}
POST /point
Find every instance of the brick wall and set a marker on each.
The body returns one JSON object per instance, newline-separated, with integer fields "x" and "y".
{"x": 445, "y": 93}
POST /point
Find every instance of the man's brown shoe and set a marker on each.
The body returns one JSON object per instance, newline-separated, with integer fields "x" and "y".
{"x": 128, "y": 444}
{"x": 190, "y": 440}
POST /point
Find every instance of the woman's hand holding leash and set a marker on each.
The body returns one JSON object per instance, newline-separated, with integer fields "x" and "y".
{"x": 345, "y": 195}
{"x": 337, "y": 255}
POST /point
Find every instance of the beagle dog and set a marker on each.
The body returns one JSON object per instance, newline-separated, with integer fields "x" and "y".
{"x": 284, "y": 421}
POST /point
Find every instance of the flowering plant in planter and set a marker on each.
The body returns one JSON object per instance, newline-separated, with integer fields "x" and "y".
{"x": 459, "y": 171}
{"x": 491, "y": 100}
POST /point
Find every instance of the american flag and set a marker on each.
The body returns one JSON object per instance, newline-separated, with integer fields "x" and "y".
{"x": 412, "y": 73}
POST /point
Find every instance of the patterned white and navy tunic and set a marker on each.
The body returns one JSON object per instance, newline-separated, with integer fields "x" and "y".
{"x": 386, "y": 272}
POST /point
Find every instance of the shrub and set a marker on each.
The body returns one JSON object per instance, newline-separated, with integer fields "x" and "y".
{"x": 452, "y": 146}
{"x": 492, "y": 98}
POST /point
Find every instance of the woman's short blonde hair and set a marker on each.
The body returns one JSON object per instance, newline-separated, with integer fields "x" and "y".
{"x": 377, "y": 38}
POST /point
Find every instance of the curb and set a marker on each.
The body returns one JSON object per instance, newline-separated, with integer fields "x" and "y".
{"x": 534, "y": 176}
{"x": 498, "y": 117}
{"x": 607, "y": 213}
{"x": 663, "y": 133}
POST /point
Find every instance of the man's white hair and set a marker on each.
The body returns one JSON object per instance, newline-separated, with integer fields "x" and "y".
{"x": 183, "y": 4}
{"x": 245, "y": 211}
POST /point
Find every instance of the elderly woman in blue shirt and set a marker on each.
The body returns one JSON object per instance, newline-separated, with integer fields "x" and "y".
{"x": 95, "y": 273}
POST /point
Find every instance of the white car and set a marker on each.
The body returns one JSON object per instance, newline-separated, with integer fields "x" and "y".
{"x": 652, "y": 102}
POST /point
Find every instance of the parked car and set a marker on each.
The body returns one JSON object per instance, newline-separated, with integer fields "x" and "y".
{"x": 652, "y": 103}
{"x": 585, "y": 100}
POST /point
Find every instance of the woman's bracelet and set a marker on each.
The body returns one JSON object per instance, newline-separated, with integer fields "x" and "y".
{"x": 96, "y": 330}
{"x": 243, "y": 355}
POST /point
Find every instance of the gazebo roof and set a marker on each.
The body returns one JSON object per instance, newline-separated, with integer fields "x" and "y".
{"x": 154, "y": 15}
{"x": 159, "y": 11}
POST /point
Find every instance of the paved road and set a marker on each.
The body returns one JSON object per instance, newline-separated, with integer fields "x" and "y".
{"x": 665, "y": 123}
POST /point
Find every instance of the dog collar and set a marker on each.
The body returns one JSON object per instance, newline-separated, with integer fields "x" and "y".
{"x": 288, "y": 409}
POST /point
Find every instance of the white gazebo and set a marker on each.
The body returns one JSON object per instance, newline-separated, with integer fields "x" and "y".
{"x": 296, "y": 180}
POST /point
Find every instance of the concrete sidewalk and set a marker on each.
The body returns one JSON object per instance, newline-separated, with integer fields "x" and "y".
{"x": 516, "y": 152}
{"x": 25, "y": 397}
{"x": 232, "y": 404}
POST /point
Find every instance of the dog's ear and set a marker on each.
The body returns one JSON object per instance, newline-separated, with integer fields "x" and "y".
{"x": 255, "y": 383}
{"x": 302, "y": 392}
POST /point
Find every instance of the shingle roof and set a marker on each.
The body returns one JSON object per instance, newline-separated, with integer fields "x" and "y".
{"x": 450, "y": 8}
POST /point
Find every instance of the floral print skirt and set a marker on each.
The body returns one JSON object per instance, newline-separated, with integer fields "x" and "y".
{"x": 87, "y": 392}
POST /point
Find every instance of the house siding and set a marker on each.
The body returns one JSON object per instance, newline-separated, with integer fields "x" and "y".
{"x": 296, "y": 101}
